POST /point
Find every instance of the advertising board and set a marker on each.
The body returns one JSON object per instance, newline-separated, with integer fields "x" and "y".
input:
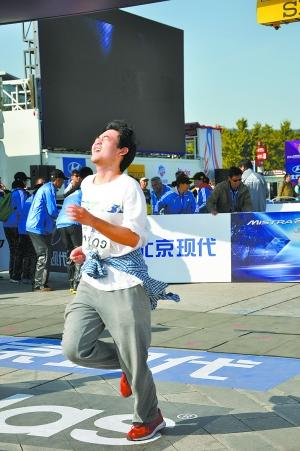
{"x": 292, "y": 158}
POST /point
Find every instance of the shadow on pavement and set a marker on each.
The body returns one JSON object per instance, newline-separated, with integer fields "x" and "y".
{"x": 195, "y": 423}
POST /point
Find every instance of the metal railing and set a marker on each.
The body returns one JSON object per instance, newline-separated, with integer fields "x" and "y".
{"x": 17, "y": 95}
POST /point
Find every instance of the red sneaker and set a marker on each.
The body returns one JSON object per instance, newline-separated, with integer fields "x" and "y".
{"x": 125, "y": 388}
{"x": 144, "y": 431}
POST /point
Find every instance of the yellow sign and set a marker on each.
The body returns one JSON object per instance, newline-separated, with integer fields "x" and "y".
{"x": 190, "y": 145}
{"x": 136, "y": 170}
{"x": 275, "y": 12}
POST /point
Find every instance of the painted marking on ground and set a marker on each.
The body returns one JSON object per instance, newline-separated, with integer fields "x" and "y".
{"x": 170, "y": 365}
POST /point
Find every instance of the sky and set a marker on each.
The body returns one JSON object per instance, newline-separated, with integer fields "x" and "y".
{"x": 233, "y": 67}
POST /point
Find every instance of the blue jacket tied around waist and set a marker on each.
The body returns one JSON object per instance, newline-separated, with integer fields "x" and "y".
{"x": 133, "y": 264}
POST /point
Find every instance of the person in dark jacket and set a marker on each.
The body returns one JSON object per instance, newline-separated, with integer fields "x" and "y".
{"x": 40, "y": 225}
{"x": 18, "y": 198}
{"x": 71, "y": 231}
{"x": 286, "y": 189}
{"x": 231, "y": 195}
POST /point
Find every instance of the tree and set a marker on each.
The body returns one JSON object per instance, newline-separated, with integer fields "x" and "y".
{"x": 241, "y": 143}
{"x": 236, "y": 144}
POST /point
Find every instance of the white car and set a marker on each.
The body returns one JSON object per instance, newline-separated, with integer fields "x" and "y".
{"x": 283, "y": 199}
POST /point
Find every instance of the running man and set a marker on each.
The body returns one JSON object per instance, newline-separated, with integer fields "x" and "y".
{"x": 115, "y": 291}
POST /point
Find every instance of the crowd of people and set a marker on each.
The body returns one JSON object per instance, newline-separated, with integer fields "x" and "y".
{"x": 35, "y": 214}
{"x": 31, "y": 223}
{"x": 243, "y": 190}
{"x": 103, "y": 227}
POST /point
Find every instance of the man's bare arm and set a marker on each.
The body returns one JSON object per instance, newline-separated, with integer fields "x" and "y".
{"x": 119, "y": 234}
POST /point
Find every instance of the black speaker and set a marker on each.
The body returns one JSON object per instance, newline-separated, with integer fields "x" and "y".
{"x": 37, "y": 171}
{"x": 221, "y": 175}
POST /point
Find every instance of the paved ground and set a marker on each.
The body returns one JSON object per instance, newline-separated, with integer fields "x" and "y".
{"x": 245, "y": 319}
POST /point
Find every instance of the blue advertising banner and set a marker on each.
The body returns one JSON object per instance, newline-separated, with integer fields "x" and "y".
{"x": 292, "y": 159}
{"x": 265, "y": 247}
{"x": 248, "y": 372}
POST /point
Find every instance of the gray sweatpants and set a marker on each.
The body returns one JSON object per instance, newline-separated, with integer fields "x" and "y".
{"x": 126, "y": 315}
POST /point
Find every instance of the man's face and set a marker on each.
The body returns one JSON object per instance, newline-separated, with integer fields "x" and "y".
{"x": 143, "y": 184}
{"x": 75, "y": 179}
{"x": 156, "y": 185}
{"x": 105, "y": 146}
{"x": 184, "y": 187}
{"x": 198, "y": 183}
{"x": 59, "y": 183}
{"x": 235, "y": 181}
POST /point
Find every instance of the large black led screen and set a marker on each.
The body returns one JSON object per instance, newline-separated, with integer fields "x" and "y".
{"x": 111, "y": 65}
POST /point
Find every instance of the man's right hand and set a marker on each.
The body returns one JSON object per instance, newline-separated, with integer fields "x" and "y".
{"x": 77, "y": 255}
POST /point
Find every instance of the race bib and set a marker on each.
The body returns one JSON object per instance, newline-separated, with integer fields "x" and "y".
{"x": 94, "y": 241}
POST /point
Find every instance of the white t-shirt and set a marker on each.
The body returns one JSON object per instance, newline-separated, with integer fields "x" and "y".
{"x": 120, "y": 202}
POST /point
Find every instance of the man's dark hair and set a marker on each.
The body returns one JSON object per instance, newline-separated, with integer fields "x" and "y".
{"x": 234, "y": 171}
{"x": 199, "y": 176}
{"x": 85, "y": 171}
{"x": 179, "y": 172}
{"x": 18, "y": 184}
{"x": 247, "y": 164}
{"x": 127, "y": 139}
{"x": 156, "y": 179}
{"x": 181, "y": 178}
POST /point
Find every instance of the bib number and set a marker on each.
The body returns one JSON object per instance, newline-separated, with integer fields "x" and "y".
{"x": 93, "y": 241}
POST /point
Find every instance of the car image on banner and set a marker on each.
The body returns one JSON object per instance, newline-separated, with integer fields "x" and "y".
{"x": 265, "y": 247}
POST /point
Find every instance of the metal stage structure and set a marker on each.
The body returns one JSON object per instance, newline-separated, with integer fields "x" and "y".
{"x": 23, "y": 11}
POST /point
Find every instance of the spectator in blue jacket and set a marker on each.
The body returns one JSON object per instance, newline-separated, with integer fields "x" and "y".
{"x": 202, "y": 191}
{"x": 18, "y": 198}
{"x": 180, "y": 201}
{"x": 73, "y": 184}
{"x": 26, "y": 246}
{"x": 158, "y": 190}
{"x": 40, "y": 225}
{"x": 71, "y": 231}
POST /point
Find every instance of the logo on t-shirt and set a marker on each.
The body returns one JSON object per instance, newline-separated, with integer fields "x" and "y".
{"x": 115, "y": 209}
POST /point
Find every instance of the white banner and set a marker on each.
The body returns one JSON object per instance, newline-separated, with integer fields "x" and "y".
{"x": 210, "y": 149}
{"x": 189, "y": 248}
{"x": 180, "y": 249}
